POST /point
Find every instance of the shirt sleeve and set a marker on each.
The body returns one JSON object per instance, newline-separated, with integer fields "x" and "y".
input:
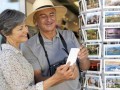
{"x": 32, "y": 59}
{"x": 15, "y": 76}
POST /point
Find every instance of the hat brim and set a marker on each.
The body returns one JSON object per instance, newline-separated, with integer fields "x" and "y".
{"x": 60, "y": 13}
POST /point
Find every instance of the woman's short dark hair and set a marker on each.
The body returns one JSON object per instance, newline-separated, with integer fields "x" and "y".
{"x": 9, "y": 19}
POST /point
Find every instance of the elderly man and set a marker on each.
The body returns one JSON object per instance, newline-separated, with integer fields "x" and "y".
{"x": 48, "y": 49}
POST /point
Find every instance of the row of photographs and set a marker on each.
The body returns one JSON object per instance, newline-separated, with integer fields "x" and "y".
{"x": 109, "y": 50}
{"x": 111, "y": 66}
{"x": 107, "y": 34}
{"x": 93, "y": 82}
{"x": 95, "y": 18}
{"x": 88, "y": 5}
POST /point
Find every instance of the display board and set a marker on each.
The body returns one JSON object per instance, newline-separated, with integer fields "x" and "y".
{"x": 99, "y": 21}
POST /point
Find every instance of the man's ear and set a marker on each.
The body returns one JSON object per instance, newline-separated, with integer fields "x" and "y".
{"x": 36, "y": 24}
{"x": 35, "y": 19}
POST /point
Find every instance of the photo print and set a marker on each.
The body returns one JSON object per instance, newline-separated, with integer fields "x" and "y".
{"x": 111, "y": 50}
{"x": 92, "y": 4}
{"x": 92, "y": 35}
{"x": 112, "y": 82}
{"x": 95, "y": 66}
{"x": 94, "y": 82}
{"x": 94, "y": 50}
{"x": 112, "y": 66}
{"x": 111, "y": 3}
{"x": 93, "y": 18}
{"x": 111, "y": 17}
{"x": 111, "y": 34}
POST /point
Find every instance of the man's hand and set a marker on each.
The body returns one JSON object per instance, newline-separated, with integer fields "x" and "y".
{"x": 75, "y": 71}
{"x": 63, "y": 73}
{"x": 83, "y": 58}
{"x": 66, "y": 72}
{"x": 83, "y": 53}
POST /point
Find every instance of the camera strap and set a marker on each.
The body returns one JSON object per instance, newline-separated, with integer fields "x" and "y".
{"x": 65, "y": 49}
{"x": 42, "y": 43}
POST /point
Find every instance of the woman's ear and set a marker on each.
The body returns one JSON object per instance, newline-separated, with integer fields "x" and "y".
{"x": 2, "y": 32}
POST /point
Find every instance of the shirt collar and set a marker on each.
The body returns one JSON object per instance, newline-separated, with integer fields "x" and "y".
{"x": 46, "y": 40}
{"x": 10, "y": 47}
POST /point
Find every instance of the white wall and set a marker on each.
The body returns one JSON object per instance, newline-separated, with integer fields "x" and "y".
{"x": 28, "y": 8}
{"x": 18, "y": 5}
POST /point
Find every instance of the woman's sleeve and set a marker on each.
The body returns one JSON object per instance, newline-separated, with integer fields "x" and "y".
{"x": 14, "y": 75}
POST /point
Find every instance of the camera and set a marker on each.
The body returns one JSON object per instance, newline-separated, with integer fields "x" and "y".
{"x": 53, "y": 67}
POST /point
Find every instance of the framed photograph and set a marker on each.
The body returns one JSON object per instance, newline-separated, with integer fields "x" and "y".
{"x": 95, "y": 66}
{"x": 112, "y": 82}
{"x": 111, "y": 17}
{"x": 92, "y": 4}
{"x": 94, "y": 50}
{"x": 112, "y": 50}
{"x": 112, "y": 66}
{"x": 111, "y": 3}
{"x": 111, "y": 34}
{"x": 93, "y": 18}
{"x": 94, "y": 82}
{"x": 92, "y": 35}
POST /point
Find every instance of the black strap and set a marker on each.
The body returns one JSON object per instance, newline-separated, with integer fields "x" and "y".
{"x": 44, "y": 6}
{"x": 42, "y": 43}
{"x": 64, "y": 45}
{"x": 66, "y": 50}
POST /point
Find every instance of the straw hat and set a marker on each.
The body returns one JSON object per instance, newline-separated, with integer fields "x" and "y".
{"x": 44, "y": 4}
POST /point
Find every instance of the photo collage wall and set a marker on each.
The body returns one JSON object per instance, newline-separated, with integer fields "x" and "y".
{"x": 99, "y": 21}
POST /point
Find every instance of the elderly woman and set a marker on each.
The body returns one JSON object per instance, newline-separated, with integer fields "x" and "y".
{"x": 15, "y": 71}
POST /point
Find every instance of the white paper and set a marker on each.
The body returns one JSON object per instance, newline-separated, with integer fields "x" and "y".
{"x": 73, "y": 55}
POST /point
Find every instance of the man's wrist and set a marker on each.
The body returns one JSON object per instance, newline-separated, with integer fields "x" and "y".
{"x": 56, "y": 79}
{"x": 83, "y": 60}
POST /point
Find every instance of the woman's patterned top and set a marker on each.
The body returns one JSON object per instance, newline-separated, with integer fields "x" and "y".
{"x": 15, "y": 71}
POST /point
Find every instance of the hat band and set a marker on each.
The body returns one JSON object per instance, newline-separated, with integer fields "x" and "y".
{"x": 44, "y": 6}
